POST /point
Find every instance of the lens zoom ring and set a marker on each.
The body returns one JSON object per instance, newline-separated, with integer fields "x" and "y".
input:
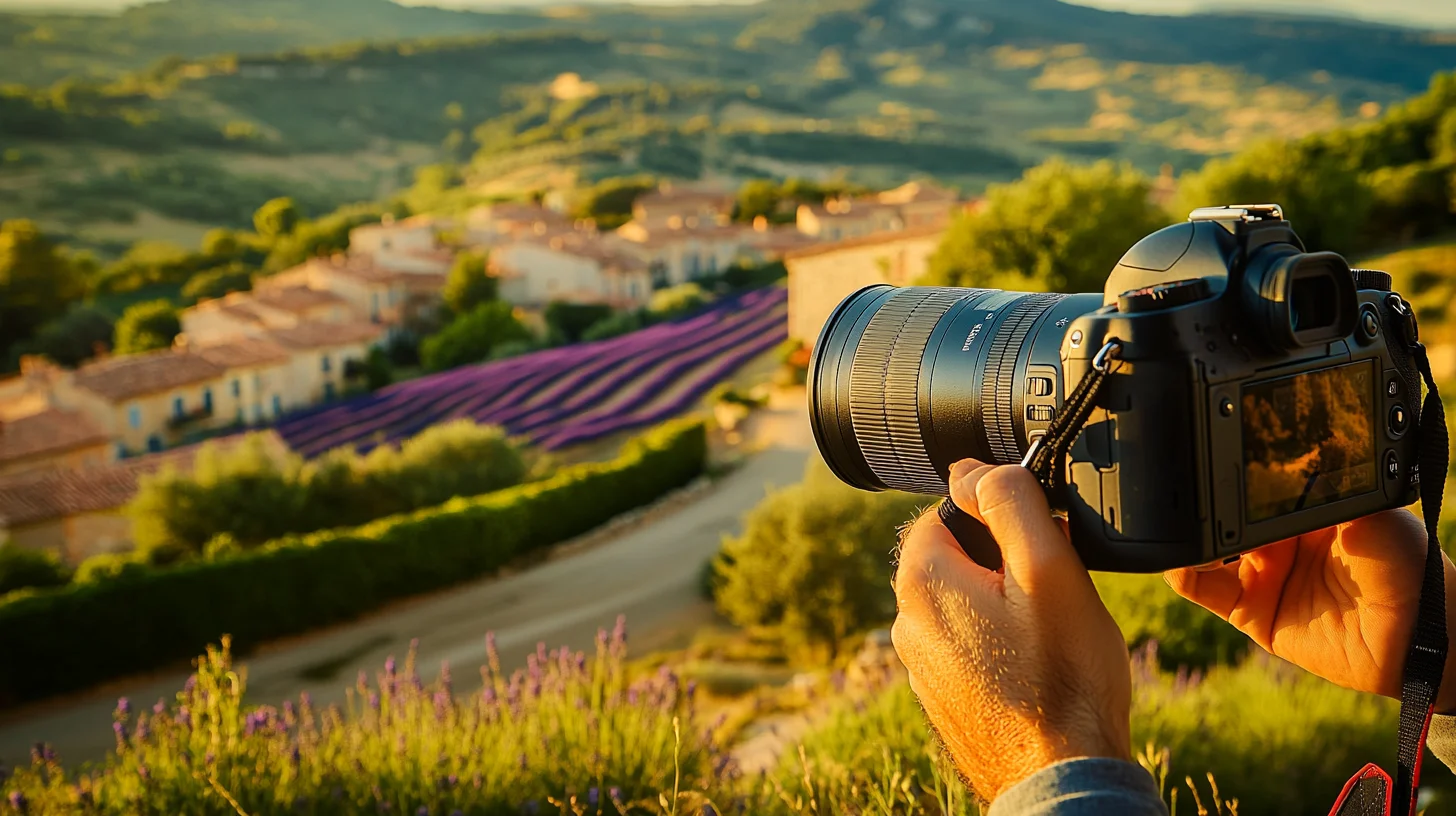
{"x": 883, "y": 387}
{"x": 998, "y": 386}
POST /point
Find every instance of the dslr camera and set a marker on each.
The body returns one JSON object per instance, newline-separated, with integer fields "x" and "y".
{"x": 1260, "y": 392}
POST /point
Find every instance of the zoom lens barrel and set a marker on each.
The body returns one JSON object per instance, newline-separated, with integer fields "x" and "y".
{"x": 906, "y": 381}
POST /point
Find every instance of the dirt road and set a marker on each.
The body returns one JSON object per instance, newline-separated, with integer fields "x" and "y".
{"x": 651, "y": 573}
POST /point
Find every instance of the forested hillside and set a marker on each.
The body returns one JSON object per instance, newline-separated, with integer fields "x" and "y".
{"x": 176, "y": 116}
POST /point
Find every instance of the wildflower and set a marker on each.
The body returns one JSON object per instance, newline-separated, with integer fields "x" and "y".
{"x": 288, "y": 715}
{"x": 159, "y": 707}
{"x": 389, "y": 667}
{"x": 190, "y": 684}
{"x": 305, "y": 701}
{"x": 184, "y": 717}
{"x": 592, "y": 796}
{"x": 123, "y": 707}
{"x": 619, "y": 634}
{"x": 709, "y": 810}
{"x": 144, "y": 728}
{"x": 18, "y": 802}
{"x": 487, "y": 696}
{"x": 615, "y": 793}
{"x": 692, "y": 689}
{"x": 452, "y": 780}
{"x": 250, "y": 724}
{"x": 295, "y": 755}
{"x": 120, "y": 729}
{"x": 36, "y": 751}
{"x": 445, "y": 680}
{"x": 144, "y": 773}
{"x": 531, "y": 807}
{"x": 374, "y": 701}
{"x": 492, "y": 656}
{"x": 209, "y": 758}
{"x": 423, "y": 811}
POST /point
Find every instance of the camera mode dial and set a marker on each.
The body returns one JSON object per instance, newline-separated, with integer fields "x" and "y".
{"x": 1372, "y": 279}
{"x": 1163, "y": 296}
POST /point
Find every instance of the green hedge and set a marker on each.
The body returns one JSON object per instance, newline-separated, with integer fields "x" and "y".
{"x": 61, "y": 640}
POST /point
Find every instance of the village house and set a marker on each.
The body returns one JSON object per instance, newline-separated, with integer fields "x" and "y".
{"x": 685, "y": 249}
{"x": 492, "y": 224}
{"x": 910, "y": 206}
{"x": 671, "y": 204}
{"x": 821, "y": 276}
{"x": 76, "y": 514}
{"x": 574, "y": 268}
{"x": 52, "y": 438}
{"x": 411, "y": 245}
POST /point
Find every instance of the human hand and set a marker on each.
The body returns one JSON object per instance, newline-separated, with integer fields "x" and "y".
{"x": 1340, "y": 602}
{"x": 1017, "y": 669}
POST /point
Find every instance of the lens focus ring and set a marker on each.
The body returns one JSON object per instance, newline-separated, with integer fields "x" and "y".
{"x": 999, "y": 386}
{"x": 884, "y": 385}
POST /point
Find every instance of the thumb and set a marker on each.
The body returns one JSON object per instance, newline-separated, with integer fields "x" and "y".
{"x": 1009, "y": 501}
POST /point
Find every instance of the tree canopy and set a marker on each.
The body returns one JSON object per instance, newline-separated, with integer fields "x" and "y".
{"x": 1061, "y": 228}
{"x": 37, "y": 282}
{"x": 470, "y": 283}
{"x": 471, "y": 337}
{"x": 147, "y": 327}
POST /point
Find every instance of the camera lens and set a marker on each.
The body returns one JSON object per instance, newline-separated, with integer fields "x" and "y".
{"x": 904, "y": 382}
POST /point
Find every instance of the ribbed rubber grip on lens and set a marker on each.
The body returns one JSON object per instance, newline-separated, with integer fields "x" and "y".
{"x": 999, "y": 386}
{"x": 884, "y": 383}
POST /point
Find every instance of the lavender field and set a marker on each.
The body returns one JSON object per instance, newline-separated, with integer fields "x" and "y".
{"x": 568, "y": 395}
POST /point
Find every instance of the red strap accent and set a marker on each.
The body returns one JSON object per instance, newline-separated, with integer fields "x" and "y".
{"x": 1370, "y": 771}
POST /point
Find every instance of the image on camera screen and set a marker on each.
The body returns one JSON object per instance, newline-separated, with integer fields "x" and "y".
{"x": 1308, "y": 440}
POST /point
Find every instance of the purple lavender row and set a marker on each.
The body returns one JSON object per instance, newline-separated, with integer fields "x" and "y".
{"x": 369, "y": 416}
{"x": 689, "y": 396}
{"x": 655, "y": 379}
{"x": 591, "y": 386}
{"x": 499, "y": 409}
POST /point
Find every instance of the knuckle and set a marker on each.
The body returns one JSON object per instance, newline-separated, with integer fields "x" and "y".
{"x": 1005, "y": 487}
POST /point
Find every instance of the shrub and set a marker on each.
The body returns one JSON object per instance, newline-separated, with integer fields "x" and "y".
{"x": 110, "y": 567}
{"x": 22, "y": 568}
{"x": 676, "y": 301}
{"x": 300, "y": 582}
{"x": 565, "y": 728}
{"x": 814, "y": 563}
{"x": 147, "y": 327}
{"x": 471, "y": 337}
{"x": 252, "y": 497}
{"x": 215, "y": 283}
{"x": 469, "y": 283}
{"x": 570, "y": 320}
{"x": 71, "y": 339}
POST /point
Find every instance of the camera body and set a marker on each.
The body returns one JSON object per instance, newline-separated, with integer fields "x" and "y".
{"x": 1263, "y": 393}
{"x": 1260, "y": 391}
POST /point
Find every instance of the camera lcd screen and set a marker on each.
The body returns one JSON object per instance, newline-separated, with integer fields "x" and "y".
{"x": 1309, "y": 440}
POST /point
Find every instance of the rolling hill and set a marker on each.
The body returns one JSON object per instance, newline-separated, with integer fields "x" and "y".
{"x": 184, "y": 114}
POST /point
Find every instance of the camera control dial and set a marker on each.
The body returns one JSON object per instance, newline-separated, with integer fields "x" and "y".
{"x": 1163, "y": 296}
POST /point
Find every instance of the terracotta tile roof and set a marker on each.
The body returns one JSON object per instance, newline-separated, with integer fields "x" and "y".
{"x": 32, "y": 498}
{"x": 50, "y": 432}
{"x": 122, "y": 378}
{"x": 323, "y": 335}
{"x": 591, "y": 246}
{"x": 359, "y": 267}
{"x": 297, "y": 299}
{"x": 243, "y": 352}
{"x": 873, "y": 239}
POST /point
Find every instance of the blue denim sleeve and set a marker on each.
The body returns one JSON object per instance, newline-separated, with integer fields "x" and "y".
{"x": 1083, "y": 787}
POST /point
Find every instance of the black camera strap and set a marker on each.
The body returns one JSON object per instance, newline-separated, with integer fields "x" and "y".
{"x": 1371, "y": 791}
{"x": 1426, "y": 659}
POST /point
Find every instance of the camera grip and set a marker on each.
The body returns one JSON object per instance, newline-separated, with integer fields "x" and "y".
{"x": 971, "y": 534}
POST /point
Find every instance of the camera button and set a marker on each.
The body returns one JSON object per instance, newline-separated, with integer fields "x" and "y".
{"x": 1041, "y": 413}
{"x": 1039, "y": 386}
{"x": 1399, "y": 420}
{"x": 1392, "y": 465}
{"x": 1369, "y": 325}
{"x": 1392, "y": 388}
